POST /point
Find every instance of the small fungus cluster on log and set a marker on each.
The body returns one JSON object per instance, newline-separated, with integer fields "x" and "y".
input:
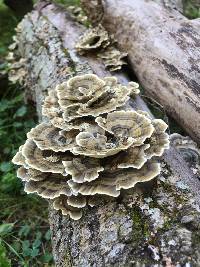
{"x": 98, "y": 40}
{"x": 93, "y": 144}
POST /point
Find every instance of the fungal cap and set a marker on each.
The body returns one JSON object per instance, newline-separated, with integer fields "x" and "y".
{"x": 19, "y": 159}
{"x": 111, "y": 98}
{"x": 83, "y": 169}
{"x": 130, "y": 178}
{"x": 93, "y": 39}
{"x": 47, "y": 137}
{"x": 159, "y": 140}
{"x": 44, "y": 161}
{"x": 78, "y": 88}
{"x": 94, "y": 143}
{"x": 60, "y": 203}
{"x": 188, "y": 149}
{"x": 113, "y": 58}
{"x": 133, "y": 157}
{"x": 50, "y": 107}
{"x": 30, "y": 174}
{"x": 51, "y": 187}
{"x": 111, "y": 183}
{"x": 77, "y": 201}
{"x": 98, "y": 186}
{"x": 127, "y": 124}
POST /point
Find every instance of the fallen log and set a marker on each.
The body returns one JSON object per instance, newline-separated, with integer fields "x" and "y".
{"x": 171, "y": 4}
{"x": 156, "y": 224}
{"x": 163, "y": 49}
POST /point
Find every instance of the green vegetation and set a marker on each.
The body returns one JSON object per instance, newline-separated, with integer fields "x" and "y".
{"x": 68, "y": 2}
{"x": 24, "y": 229}
{"x": 191, "y": 8}
{"x": 7, "y": 23}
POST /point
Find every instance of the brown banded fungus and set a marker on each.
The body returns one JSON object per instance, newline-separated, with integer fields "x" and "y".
{"x": 51, "y": 187}
{"x": 92, "y": 144}
{"x": 112, "y": 58}
{"x": 47, "y": 137}
{"x": 98, "y": 40}
{"x": 188, "y": 149}
{"x": 31, "y": 174}
{"x": 93, "y": 39}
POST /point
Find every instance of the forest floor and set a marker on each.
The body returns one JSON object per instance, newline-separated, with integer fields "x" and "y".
{"x": 24, "y": 229}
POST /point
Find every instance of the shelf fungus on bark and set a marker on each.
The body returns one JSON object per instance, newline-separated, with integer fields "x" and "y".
{"x": 159, "y": 140}
{"x": 133, "y": 157}
{"x": 47, "y": 137}
{"x": 60, "y": 203}
{"x": 92, "y": 144}
{"x": 113, "y": 58}
{"x": 51, "y": 108}
{"x": 83, "y": 169}
{"x": 110, "y": 183}
{"x": 93, "y": 39}
{"x": 51, "y": 187}
{"x": 31, "y": 174}
{"x": 79, "y": 88}
{"x": 188, "y": 149}
{"x": 127, "y": 125}
{"x": 98, "y": 40}
{"x": 42, "y": 160}
{"x": 19, "y": 159}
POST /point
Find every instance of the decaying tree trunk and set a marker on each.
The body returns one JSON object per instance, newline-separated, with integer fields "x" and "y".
{"x": 153, "y": 225}
{"x": 171, "y": 4}
{"x": 163, "y": 49}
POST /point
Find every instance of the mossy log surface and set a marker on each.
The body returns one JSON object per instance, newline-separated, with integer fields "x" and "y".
{"x": 153, "y": 225}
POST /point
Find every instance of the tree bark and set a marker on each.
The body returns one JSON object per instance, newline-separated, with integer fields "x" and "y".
{"x": 172, "y": 4}
{"x": 153, "y": 225}
{"x": 163, "y": 50}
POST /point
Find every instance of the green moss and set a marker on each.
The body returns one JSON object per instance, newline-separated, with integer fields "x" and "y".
{"x": 191, "y": 8}
{"x": 141, "y": 230}
{"x": 68, "y": 2}
{"x": 67, "y": 258}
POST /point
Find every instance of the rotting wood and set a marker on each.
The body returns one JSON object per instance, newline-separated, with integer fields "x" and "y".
{"x": 146, "y": 227}
{"x": 164, "y": 53}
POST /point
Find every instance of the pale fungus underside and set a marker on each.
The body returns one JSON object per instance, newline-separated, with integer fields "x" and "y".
{"x": 90, "y": 146}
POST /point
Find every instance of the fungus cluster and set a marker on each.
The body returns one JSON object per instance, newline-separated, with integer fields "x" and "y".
{"x": 16, "y": 64}
{"x": 98, "y": 40}
{"x": 90, "y": 146}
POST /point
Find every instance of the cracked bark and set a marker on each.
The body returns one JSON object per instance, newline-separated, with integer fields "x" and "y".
{"x": 163, "y": 50}
{"x": 153, "y": 224}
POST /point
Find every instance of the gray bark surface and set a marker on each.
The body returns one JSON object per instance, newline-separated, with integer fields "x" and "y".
{"x": 153, "y": 225}
{"x": 163, "y": 49}
{"x": 171, "y": 4}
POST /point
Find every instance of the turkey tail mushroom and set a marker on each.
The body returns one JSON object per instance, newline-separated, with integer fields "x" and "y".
{"x": 91, "y": 146}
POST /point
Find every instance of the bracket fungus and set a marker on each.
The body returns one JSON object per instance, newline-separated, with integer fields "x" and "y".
{"x": 98, "y": 39}
{"x": 113, "y": 58}
{"x": 91, "y": 145}
{"x": 93, "y": 39}
{"x": 188, "y": 149}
